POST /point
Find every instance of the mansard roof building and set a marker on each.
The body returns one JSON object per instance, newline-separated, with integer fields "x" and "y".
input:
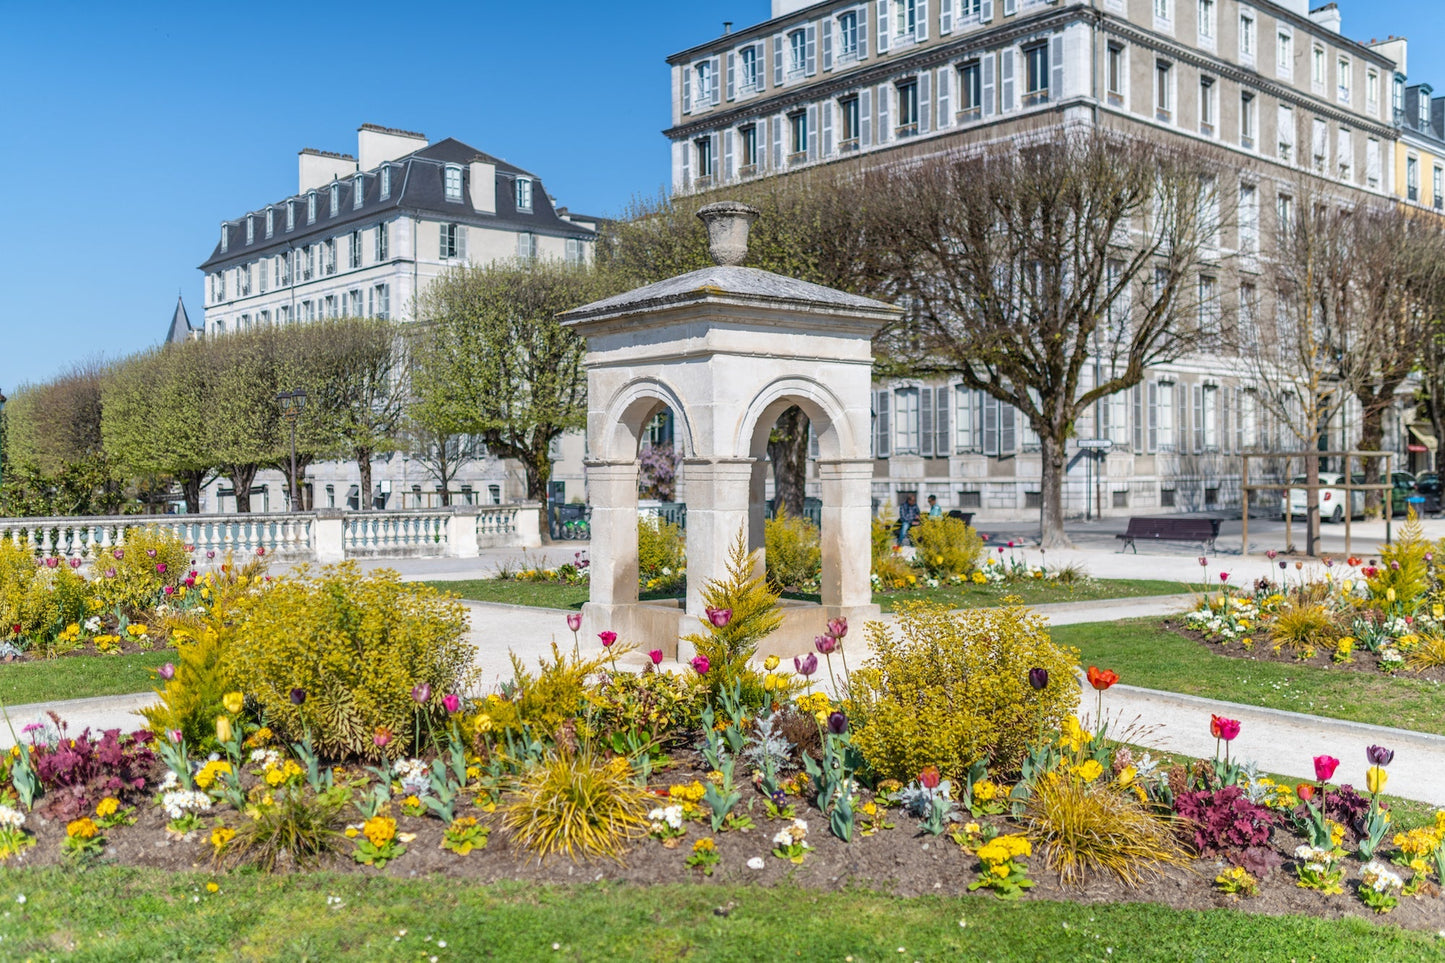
{"x": 364, "y": 233}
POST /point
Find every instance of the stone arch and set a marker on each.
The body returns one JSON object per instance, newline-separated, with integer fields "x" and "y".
{"x": 627, "y": 413}
{"x": 827, "y": 413}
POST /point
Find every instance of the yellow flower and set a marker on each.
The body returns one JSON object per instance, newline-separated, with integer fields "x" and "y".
{"x": 1438, "y": 610}
{"x": 1389, "y": 595}
{"x": 983, "y": 790}
{"x": 213, "y": 888}
{"x": 704, "y": 845}
{"x": 1089, "y": 770}
{"x": 770, "y": 663}
{"x": 107, "y": 807}
{"x": 83, "y": 828}
{"x": 207, "y": 776}
{"x": 379, "y": 830}
{"x": 222, "y": 835}
{"x": 484, "y": 723}
{"x": 1375, "y": 778}
{"x": 233, "y": 701}
{"x": 971, "y": 829}
{"x": 223, "y": 729}
{"x": 1126, "y": 777}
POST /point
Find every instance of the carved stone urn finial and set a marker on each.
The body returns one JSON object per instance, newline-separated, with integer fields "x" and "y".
{"x": 727, "y": 230}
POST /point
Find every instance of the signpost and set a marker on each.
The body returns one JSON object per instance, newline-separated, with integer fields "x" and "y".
{"x": 1096, "y": 447}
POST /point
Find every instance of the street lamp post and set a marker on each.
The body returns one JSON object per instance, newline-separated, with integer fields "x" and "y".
{"x": 292, "y": 402}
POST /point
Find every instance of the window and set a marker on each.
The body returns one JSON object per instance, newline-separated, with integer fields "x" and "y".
{"x": 1372, "y": 162}
{"x": 1345, "y": 154}
{"x": 308, "y": 262}
{"x": 1209, "y": 414}
{"x": 1248, "y": 312}
{"x": 797, "y": 53}
{"x": 1412, "y": 178}
{"x": 848, "y": 36}
{"x": 358, "y": 191}
{"x": 381, "y": 242}
{"x": 575, "y": 252}
{"x": 290, "y": 216}
{"x": 353, "y": 303}
{"x": 748, "y": 70}
{"x": 1284, "y": 54}
{"x": 379, "y": 305}
{"x": 452, "y": 179}
{"x": 749, "y": 138}
{"x": 329, "y": 308}
{"x": 1319, "y": 143}
{"x": 1317, "y": 68}
{"x": 1246, "y": 121}
{"x": 1206, "y": 21}
{"x": 798, "y": 136}
{"x": 270, "y": 222}
{"x": 908, "y": 109}
{"x": 1161, "y": 416}
{"x": 335, "y": 198}
{"x": 385, "y": 177}
{"x": 250, "y": 230}
{"x": 905, "y": 19}
{"x": 1248, "y": 219}
{"x": 1285, "y": 125}
{"x": 447, "y": 239}
{"x": 355, "y": 261}
{"x": 1036, "y": 74}
{"x": 307, "y": 311}
{"x": 220, "y": 285}
{"x": 1343, "y": 79}
{"x": 1284, "y": 215}
{"x": 704, "y": 83}
{"x": 328, "y": 256}
{"x": 524, "y": 193}
{"x": 849, "y": 111}
{"x": 905, "y": 421}
{"x": 1246, "y": 36}
{"x": 703, "y": 147}
{"x": 283, "y": 269}
{"x": 1208, "y": 305}
{"x": 1423, "y": 97}
{"x": 1163, "y": 12}
{"x": 1372, "y": 91}
{"x": 311, "y": 208}
{"x": 1439, "y": 185}
{"x": 1114, "y": 73}
{"x": 1397, "y": 96}
{"x": 243, "y": 281}
{"x": 263, "y": 276}
{"x": 283, "y": 314}
{"x": 970, "y": 91}
{"x": 1206, "y": 106}
{"x": 1163, "y": 90}
{"x": 225, "y": 237}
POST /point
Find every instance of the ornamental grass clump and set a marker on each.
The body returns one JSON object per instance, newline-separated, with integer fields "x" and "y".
{"x": 289, "y": 823}
{"x": 1083, "y": 827}
{"x": 1301, "y": 627}
{"x": 948, "y": 688}
{"x": 578, "y": 804}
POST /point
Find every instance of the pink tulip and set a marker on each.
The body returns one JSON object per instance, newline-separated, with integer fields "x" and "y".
{"x": 701, "y": 665}
{"x": 656, "y": 656}
{"x": 167, "y": 671}
{"x": 1224, "y": 576}
{"x": 838, "y": 627}
{"x": 574, "y": 620}
{"x": 1325, "y": 767}
{"x": 260, "y": 550}
{"x": 452, "y": 702}
{"x": 151, "y": 552}
{"x": 118, "y": 554}
{"x": 160, "y": 568}
{"x": 421, "y": 692}
{"x": 607, "y": 637}
{"x": 381, "y": 738}
{"x": 719, "y": 617}
{"x": 52, "y": 562}
{"x": 75, "y": 563}
{"x": 168, "y": 589}
{"x": 825, "y": 644}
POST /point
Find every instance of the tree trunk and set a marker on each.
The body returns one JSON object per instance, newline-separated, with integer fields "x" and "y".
{"x": 1372, "y": 432}
{"x": 241, "y": 477}
{"x": 191, "y": 482}
{"x": 537, "y": 464}
{"x": 363, "y": 465}
{"x": 1051, "y": 494}
{"x": 788, "y": 451}
{"x": 1312, "y": 502}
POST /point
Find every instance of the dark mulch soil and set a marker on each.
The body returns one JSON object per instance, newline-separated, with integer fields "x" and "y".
{"x": 900, "y": 861}
{"x": 1361, "y": 659}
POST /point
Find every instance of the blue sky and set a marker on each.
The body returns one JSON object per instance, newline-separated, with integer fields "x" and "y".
{"x": 129, "y": 131}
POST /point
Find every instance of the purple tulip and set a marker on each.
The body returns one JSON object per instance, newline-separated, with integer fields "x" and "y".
{"x": 1203, "y": 560}
{"x": 825, "y": 644}
{"x": 1283, "y": 565}
{"x": 421, "y": 692}
{"x": 167, "y": 671}
{"x": 838, "y": 627}
{"x": 1039, "y": 678}
{"x": 110, "y": 573}
{"x": 1379, "y": 755}
{"x": 151, "y": 552}
{"x": 806, "y": 665}
{"x": 719, "y": 617}
{"x": 701, "y": 664}
{"x": 298, "y": 696}
{"x": 452, "y": 702}
{"x": 837, "y": 723}
{"x": 574, "y": 620}
{"x": 210, "y": 555}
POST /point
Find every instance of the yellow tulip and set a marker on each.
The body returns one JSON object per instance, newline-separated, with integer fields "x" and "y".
{"x": 1438, "y": 610}
{"x": 223, "y": 729}
{"x": 770, "y": 663}
{"x": 233, "y": 701}
{"x": 1389, "y": 595}
{"x": 1375, "y": 778}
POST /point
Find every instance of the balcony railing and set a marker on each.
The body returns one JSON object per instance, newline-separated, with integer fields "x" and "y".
{"x": 1033, "y": 98}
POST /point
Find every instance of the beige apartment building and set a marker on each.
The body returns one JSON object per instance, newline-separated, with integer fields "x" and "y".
{"x": 362, "y": 236}
{"x": 1278, "y": 88}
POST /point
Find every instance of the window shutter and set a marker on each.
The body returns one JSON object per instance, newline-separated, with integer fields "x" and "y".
{"x": 778, "y": 61}
{"x": 1198, "y": 418}
{"x": 1138, "y": 417}
{"x": 985, "y": 11}
{"x": 920, "y": 29}
{"x": 865, "y": 118}
{"x": 1006, "y": 80}
{"x": 728, "y": 155}
{"x": 812, "y": 132}
{"x": 945, "y": 17}
{"x": 884, "y": 92}
{"x": 990, "y": 425}
{"x": 883, "y": 26}
{"x": 1007, "y": 429}
{"x": 989, "y": 98}
{"x": 884, "y": 424}
{"x": 685, "y": 149}
{"x": 686, "y": 88}
{"x": 1181, "y": 417}
{"x": 462, "y": 242}
{"x": 714, "y": 156}
{"x": 1224, "y": 400}
{"x": 828, "y": 129}
{"x": 924, "y": 101}
{"x": 732, "y": 76}
{"x": 940, "y": 421}
{"x": 810, "y": 56}
{"x": 716, "y": 94}
{"x": 1153, "y": 416}
{"x": 945, "y": 97}
{"x": 862, "y": 21}
{"x": 1056, "y": 68}
{"x": 442, "y": 240}
{"x": 778, "y": 122}
{"x": 828, "y": 43}
{"x": 925, "y": 422}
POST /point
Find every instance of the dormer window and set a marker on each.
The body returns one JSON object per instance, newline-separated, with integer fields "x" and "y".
{"x": 1424, "y": 108}
{"x": 335, "y": 198}
{"x": 454, "y": 182}
{"x": 385, "y": 183}
{"x": 311, "y": 207}
{"x": 270, "y": 222}
{"x": 524, "y": 193}
{"x": 225, "y": 240}
{"x": 358, "y": 191}
{"x": 250, "y": 229}
{"x": 290, "y": 216}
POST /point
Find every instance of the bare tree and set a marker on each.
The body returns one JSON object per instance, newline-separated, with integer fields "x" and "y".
{"x": 1023, "y": 262}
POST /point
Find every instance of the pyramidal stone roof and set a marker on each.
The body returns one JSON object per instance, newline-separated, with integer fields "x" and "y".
{"x": 181, "y": 328}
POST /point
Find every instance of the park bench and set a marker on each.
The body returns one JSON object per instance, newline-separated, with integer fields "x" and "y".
{"x": 1170, "y": 529}
{"x": 965, "y": 517}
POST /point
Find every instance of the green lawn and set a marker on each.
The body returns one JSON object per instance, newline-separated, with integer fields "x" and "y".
{"x": 1146, "y": 654}
{"x": 554, "y": 596}
{"x": 79, "y": 677}
{"x": 144, "y": 915}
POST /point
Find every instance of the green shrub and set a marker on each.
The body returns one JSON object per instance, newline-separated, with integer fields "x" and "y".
{"x": 794, "y": 552}
{"x": 661, "y": 553}
{"x": 357, "y": 645}
{"x": 948, "y": 688}
{"x": 755, "y": 616}
{"x": 946, "y": 546}
{"x": 41, "y": 600}
{"x": 578, "y": 804}
{"x": 132, "y": 577}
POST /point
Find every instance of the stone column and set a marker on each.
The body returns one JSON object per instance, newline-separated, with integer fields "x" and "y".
{"x": 330, "y": 535}
{"x": 717, "y": 510}
{"x": 612, "y": 486}
{"x": 847, "y": 532}
{"x": 758, "y": 514}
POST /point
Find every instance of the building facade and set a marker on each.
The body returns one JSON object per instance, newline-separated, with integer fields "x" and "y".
{"x": 1274, "y": 87}
{"x": 362, "y": 237}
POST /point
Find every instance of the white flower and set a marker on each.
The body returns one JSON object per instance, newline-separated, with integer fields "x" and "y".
{"x": 783, "y": 838}
{"x": 266, "y": 758}
{"x": 671, "y": 815}
{"x": 183, "y": 801}
{"x": 757, "y": 863}
{"x": 170, "y": 781}
{"x": 11, "y": 818}
{"x": 21, "y": 900}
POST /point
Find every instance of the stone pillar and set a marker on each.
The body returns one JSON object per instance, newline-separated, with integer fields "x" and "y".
{"x": 612, "y": 486}
{"x": 758, "y": 514}
{"x": 461, "y": 529}
{"x": 847, "y": 532}
{"x": 717, "y": 510}
{"x": 330, "y": 544}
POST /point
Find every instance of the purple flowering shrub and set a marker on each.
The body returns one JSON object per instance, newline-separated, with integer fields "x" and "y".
{"x": 657, "y": 472}
{"x": 1224, "y": 822}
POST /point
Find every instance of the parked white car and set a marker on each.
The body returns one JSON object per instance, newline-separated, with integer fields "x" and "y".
{"x": 1332, "y": 499}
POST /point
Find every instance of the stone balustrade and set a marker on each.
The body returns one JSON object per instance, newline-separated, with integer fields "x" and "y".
{"x": 326, "y": 535}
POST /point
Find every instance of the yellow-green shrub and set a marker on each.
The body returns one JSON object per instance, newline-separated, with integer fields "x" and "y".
{"x": 1403, "y": 566}
{"x": 947, "y": 688}
{"x": 578, "y": 804}
{"x": 794, "y": 552}
{"x": 1083, "y": 826}
{"x": 132, "y": 576}
{"x": 41, "y": 600}
{"x": 755, "y": 616}
{"x": 890, "y": 568}
{"x": 1303, "y": 626}
{"x": 191, "y": 700}
{"x": 556, "y": 693}
{"x": 357, "y": 644}
{"x": 661, "y": 557}
{"x": 946, "y": 546}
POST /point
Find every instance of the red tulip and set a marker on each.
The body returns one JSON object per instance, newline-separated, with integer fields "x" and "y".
{"x": 1222, "y": 728}
{"x": 1224, "y": 576}
{"x": 929, "y": 777}
{"x": 1325, "y": 767}
{"x": 1101, "y": 679}
{"x": 1353, "y": 561}
{"x": 1305, "y": 791}
{"x": 607, "y": 637}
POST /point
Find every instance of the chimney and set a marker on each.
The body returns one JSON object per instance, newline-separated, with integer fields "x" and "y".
{"x": 483, "y": 185}
{"x": 1327, "y": 16}
{"x": 1396, "y": 49}
{"x": 727, "y": 27}
{"x": 317, "y": 168}
{"x": 376, "y": 145}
